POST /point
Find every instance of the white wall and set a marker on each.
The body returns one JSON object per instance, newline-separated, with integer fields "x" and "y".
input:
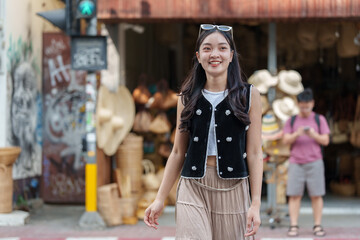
{"x": 3, "y": 109}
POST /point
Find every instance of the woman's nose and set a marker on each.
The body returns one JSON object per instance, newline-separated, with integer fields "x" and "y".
{"x": 214, "y": 53}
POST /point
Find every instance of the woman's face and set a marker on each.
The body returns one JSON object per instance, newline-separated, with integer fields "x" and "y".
{"x": 215, "y": 54}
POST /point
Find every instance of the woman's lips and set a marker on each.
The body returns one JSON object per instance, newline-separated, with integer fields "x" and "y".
{"x": 215, "y": 63}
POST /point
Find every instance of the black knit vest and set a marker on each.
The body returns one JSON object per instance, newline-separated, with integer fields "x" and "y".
{"x": 230, "y": 139}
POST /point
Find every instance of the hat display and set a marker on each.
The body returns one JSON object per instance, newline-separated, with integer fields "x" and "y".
{"x": 290, "y": 82}
{"x": 307, "y": 35}
{"x": 327, "y": 35}
{"x": 160, "y": 124}
{"x": 285, "y": 108}
{"x": 277, "y": 148}
{"x": 264, "y": 104}
{"x": 270, "y": 128}
{"x": 263, "y": 80}
{"x": 114, "y": 118}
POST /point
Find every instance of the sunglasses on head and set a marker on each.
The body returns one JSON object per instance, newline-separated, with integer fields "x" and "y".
{"x": 223, "y": 28}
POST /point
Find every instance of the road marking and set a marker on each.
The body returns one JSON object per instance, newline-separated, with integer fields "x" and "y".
{"x": 92, "y": 238}
{"x": 286, "y": 238}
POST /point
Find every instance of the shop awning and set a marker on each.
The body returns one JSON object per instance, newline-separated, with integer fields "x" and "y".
{"x": 225, "y": 10}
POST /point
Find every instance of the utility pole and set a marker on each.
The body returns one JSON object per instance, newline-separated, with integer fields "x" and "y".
{"x": 91, "y": 218}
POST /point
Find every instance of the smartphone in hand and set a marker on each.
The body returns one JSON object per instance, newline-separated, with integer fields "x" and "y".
{"x": 306, "y": 128}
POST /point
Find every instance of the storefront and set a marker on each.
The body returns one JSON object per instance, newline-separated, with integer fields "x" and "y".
{"x": 314, "y": 38}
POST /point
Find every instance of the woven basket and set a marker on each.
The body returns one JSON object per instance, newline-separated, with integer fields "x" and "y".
{"x": 128, "y": 206}
{"x": 129, "y": 160}
{"x": 108, "y": 204}
{"x": 7, "y": 157}
{"x": 6, "y": 188}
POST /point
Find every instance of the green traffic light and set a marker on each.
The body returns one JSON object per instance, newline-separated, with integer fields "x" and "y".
{"x": 86, "y": 7}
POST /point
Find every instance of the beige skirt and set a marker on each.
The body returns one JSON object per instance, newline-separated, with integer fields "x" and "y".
{"x": 212, "y": 208}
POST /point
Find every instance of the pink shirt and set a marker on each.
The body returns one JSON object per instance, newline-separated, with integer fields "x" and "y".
{"x": 305, "y": 149}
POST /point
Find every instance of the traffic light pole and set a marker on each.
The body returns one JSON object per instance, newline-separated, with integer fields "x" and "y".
{"x": 91, "y": 219}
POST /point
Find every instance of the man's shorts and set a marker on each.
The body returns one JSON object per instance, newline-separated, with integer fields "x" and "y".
{"x": 311, "y": 174}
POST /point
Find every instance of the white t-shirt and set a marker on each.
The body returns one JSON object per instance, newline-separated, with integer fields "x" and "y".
{"x": 214, "y": 98}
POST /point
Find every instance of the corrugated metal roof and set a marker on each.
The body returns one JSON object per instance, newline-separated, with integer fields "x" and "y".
{"x": 128, "y": 10}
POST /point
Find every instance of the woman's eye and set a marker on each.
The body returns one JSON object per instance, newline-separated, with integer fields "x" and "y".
{"x": 223, "y": 48}
{"x": 206, "y": 49}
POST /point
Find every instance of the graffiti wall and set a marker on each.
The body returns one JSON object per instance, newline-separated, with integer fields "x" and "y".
{"x": 63, "y": 178}
{"x": 24, "y": 104}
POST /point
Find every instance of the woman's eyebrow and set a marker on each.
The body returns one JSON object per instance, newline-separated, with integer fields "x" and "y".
{"x": 222, "y": 43}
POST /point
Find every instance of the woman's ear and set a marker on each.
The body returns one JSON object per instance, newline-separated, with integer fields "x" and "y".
{"x": 198, "y": 56}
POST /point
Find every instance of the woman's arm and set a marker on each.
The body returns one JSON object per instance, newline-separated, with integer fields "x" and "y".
{"x": 255, "y": 162}
{"x": 172, "y": 170}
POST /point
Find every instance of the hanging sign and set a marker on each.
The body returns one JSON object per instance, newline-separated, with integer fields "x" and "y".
{"x": 88, "y": 53}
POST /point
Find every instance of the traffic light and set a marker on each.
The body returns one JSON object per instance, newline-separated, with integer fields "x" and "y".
{"x": 85, "y": 8}
{"x": 64, "y": 18}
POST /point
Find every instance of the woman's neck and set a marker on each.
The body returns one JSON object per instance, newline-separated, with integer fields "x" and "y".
{"x": 215, "y": 84}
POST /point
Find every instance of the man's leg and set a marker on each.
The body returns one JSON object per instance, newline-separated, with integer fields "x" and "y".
{"x": 294, "y": 208}
{"x": 317, "y": 204}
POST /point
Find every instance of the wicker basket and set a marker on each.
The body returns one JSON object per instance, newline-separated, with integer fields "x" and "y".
{"x": 129, "y": 160}
{"x": 108, "y": 204}
{"x": 7, "y": 157}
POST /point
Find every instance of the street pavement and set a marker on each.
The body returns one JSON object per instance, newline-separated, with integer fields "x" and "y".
{"x": 60, "y": 222}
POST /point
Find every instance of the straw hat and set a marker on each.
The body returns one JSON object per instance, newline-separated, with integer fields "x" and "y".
{"x": 290, "y": 82}
{"x": 264, "y": 104}
{"x": 307, "y": 35}
{"x": 262, "y": 80}
{"x": 277, "y": 148}
{"x": 327, "y": 35}
{"x": 114, "y": 118}
{"x": 270, "y": 128}
{"x": 285, "y": 108}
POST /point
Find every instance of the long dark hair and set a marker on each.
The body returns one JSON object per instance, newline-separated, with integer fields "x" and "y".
{"x": 196, "y": 79}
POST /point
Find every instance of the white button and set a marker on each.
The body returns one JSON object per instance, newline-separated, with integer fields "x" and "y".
{"x": 247, "y": 127}
{"x": 218, "y": 141}
{"x": 244, "y": 155}
{"x": 215, "y": 125}
{"x": 230, "y": 169}
{"x": 198, "y": 112}
{"x": 227, "y": 112}
{"x": 196, "y": 139}
{"x": 185, "y": 154}
{"x": 219, "y": 157}
{"x": 229, "y": 139}
{"x": 193, "y": 168}
{"x": 215, "y": 109}
{"x": 220, "y": 173}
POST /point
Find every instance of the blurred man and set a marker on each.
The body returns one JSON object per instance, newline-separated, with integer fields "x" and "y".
{"x": 307, "y": 132}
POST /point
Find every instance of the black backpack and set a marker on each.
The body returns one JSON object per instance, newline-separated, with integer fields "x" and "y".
{"x": 317, "y": 120}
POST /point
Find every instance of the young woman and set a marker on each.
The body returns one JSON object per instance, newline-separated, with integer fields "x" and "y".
{"x": 217, "y": 147}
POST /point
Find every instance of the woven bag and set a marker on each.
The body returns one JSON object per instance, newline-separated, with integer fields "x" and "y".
{"x": 150, "y": 181}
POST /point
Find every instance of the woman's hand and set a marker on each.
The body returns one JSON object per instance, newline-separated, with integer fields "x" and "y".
{"x": 152, "y": 213}
{"x": 253, "y": 221}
